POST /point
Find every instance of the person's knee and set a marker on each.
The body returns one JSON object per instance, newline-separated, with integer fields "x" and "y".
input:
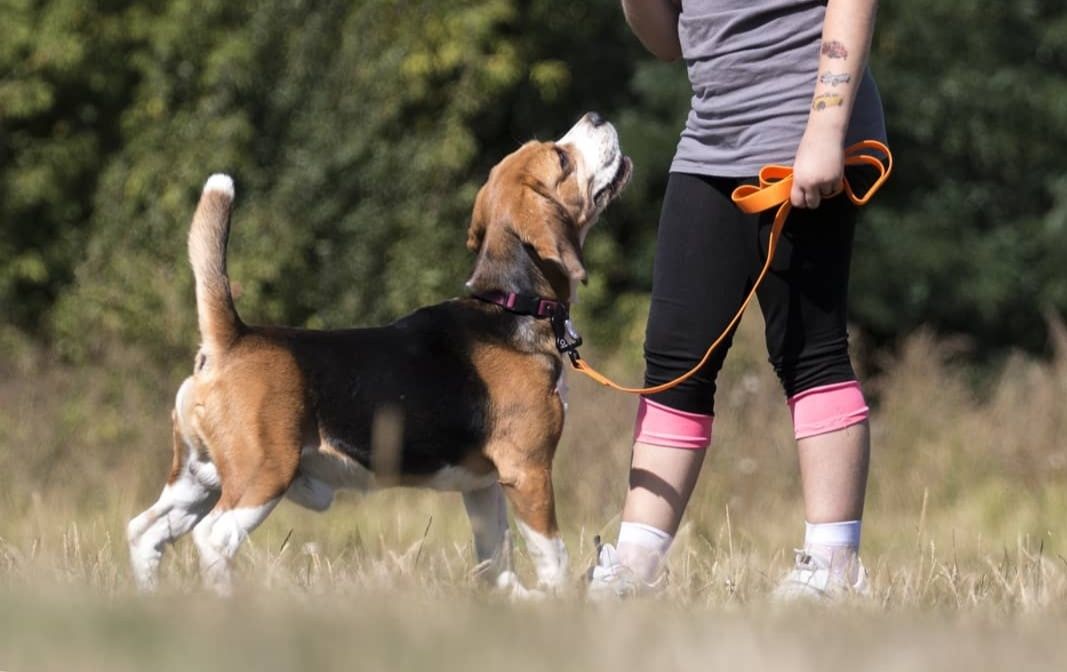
{"x": 827, "y": 408}
{"x": 662, "y": 425}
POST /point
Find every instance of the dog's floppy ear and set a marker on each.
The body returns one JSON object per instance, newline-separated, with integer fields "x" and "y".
{"x": 476, "y": 230}
{"x": 545, "y": 230}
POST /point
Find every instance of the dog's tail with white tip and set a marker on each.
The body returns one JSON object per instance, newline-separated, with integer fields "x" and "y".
{"x": 219, "y": 324}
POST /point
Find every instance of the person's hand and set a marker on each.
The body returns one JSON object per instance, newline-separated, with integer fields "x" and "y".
{"x": 818, "y": 170}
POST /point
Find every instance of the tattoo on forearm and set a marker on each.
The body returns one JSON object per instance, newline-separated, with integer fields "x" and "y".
{"x": 825, "y": 100}
{"x": 835, "y": 78}
{"x": 834, "y": 49}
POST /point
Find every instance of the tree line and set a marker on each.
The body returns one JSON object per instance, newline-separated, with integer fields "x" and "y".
{"x": 359, "y": 132}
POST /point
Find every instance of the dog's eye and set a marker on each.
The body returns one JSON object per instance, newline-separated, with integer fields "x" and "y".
{"x": 564, "y": 160}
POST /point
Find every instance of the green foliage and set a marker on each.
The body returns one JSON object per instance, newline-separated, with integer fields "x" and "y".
{"x": 966, "y": 235}
{"x": 63, "y": 85}
{"x": 359, "y": 132}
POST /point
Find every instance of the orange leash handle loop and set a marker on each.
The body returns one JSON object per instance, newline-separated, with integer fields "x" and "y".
{"x": 775, "y": 184}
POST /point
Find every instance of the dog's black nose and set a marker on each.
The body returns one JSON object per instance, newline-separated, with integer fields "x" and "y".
{"x": 595, "y": 119}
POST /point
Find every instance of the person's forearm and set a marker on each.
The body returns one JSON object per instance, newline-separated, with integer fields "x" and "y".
{"x": 846, "y": 43}
{"x": 655, "y": 22}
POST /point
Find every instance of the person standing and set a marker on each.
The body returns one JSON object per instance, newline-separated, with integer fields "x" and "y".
{"x": 773, "y": 81}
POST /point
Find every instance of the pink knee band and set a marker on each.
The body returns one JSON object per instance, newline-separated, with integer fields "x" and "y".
{"x": 827, "y": 408}
{"x": 664, "y": 426}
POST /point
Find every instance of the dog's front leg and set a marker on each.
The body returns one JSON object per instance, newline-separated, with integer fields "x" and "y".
{"x": 531, "y": 495}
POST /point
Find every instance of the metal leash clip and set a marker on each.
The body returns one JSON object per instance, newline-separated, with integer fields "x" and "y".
{"x": 567, "y": 337}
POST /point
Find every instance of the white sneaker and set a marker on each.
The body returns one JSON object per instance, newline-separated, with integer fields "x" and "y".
{"x": 812, "y": 578}
{"x": 611, "y": 580}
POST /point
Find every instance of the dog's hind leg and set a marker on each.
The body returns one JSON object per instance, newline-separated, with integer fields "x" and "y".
{"x": 188, "y": 495}
{"x": 488, "y": 515}
{"x": 253, "y": 482}
{"x": 220, "y": 534}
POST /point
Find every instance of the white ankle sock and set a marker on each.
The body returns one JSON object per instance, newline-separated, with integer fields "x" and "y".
{"x": 642, "y": 548}
{"x": 837, "y": 544}
{"x": 845, "y": 533}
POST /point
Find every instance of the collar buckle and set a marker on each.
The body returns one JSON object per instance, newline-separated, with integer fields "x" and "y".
{"x": 558, "y": 314}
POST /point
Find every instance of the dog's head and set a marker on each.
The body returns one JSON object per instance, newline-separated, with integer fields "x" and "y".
{"x": 546, "y": 195}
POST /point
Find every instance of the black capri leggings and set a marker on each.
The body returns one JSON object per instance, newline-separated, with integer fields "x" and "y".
{"x": 708, "y": 254}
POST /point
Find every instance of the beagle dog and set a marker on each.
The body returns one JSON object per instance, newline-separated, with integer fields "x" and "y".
{"x": 464, "y": 395}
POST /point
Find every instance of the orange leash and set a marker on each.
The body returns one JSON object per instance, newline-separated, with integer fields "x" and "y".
{"x": 775, "y": 183}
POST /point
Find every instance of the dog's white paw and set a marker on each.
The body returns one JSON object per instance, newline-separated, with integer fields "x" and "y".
{"x": 508, "y": 584}
{"x": 507, "y": 580}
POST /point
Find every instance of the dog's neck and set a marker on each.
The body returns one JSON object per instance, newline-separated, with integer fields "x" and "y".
{"x": 510, "y": 266}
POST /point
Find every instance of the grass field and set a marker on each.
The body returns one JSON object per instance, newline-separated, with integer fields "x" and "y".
{"x": 967, "y": 511}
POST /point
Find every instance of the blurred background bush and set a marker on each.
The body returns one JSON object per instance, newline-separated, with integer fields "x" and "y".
{"x": 358, "y": 133}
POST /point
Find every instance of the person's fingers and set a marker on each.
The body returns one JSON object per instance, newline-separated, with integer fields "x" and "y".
{"x": 811, "y": 196}
{"x": 830, "y": 190}
{"x": 804, "y": 196}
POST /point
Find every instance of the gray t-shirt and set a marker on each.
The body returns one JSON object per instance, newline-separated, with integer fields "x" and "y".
{"x": 753, "y": 65}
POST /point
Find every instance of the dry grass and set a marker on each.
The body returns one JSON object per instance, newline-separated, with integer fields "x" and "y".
{"x": 964, "y": 538}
